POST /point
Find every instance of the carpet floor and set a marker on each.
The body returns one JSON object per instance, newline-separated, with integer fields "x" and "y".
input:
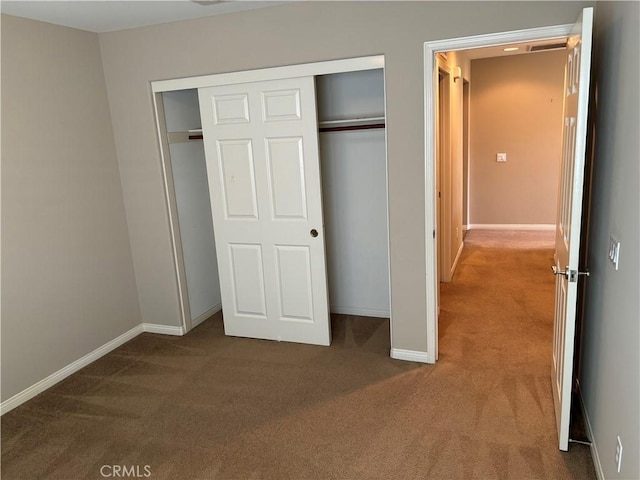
{"x": 206, "y": 406}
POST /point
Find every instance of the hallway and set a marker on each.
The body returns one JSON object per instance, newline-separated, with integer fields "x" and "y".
{"x": 496, "y": 331}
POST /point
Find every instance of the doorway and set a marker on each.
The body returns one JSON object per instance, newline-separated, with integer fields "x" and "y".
{"x": 575, "y": 98}
{"x": 432, "y": 50}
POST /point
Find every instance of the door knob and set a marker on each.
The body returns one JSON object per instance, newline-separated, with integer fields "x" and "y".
{"x": 572, "y": 275}
{"x": 314, "y": 232}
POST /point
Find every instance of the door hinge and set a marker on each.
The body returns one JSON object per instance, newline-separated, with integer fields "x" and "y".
{"x": 434, "y": 233}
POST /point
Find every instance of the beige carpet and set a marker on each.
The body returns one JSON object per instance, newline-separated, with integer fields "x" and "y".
{"x": 206, "y": 406}
{"x": 518, "y": 239}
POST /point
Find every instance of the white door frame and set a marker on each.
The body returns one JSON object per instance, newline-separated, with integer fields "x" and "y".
{"x": 290, "y": 71}
{"x": 430, "y": 95}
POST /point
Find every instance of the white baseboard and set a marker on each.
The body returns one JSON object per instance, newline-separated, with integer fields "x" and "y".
{"x": 594, "y": 449}
{"x": 409, "y": 355}
{"x": 204, "y": 316}
{"x": 51, "y": 380}
{"x": 513, "y": 226}
{"x": 363, "y": 312}
{"x": 455, "y": 262}
{"x": 162, "y": 329}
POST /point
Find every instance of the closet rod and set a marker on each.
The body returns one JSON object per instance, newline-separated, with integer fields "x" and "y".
{"x": 198, "y": 136}
{"x": 352, "y": 127}
{"x": 195, "y": 134}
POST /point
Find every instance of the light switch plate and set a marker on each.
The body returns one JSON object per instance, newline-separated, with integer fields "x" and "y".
{"x": 614, "y": 251}
{"x": 501, "y": 157}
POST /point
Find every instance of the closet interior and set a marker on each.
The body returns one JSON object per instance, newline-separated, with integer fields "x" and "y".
{"x": 351, "y": 121}
{"x": 187, "y": 170}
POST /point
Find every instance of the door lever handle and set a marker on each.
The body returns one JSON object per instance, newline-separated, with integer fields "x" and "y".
{"x": 572, "y": 275}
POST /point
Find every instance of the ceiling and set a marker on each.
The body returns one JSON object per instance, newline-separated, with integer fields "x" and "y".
{"x": 110, "y": 15}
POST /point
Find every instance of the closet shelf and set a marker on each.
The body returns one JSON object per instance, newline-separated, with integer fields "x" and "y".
{"x": 363, "y": 123}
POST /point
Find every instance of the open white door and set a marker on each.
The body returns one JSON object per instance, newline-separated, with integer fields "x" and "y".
{"x": 261, "y": 145}
{"x": 566, "y": 269}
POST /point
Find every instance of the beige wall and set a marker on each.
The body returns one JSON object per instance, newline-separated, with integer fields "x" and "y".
{"x": 290, "y": 34}
{"x": 610, "y": 374}
{"x": 68, "y": 284}
{"x": 516, "y": 107}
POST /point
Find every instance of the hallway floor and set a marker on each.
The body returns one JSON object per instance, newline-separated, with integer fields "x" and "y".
{"x": 495, "y": 330}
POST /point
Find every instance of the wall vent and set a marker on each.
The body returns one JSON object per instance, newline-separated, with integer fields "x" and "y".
{"x": 205, "y": 3}
{"x": 543, "y": 48}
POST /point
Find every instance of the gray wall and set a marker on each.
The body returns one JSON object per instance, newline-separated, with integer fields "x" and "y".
{"x": 283, "y": 35}
{"x": 524, "y": 189}
{"x": 610, "y": 376}
{"x": 68, "y": 285}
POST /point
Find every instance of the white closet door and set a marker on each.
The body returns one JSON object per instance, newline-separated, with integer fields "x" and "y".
{"x": 261, "y": 144}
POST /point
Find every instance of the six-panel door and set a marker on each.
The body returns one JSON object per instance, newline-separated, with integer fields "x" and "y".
{"x": 569, "y": 218}
{"x": 261, "y": 144}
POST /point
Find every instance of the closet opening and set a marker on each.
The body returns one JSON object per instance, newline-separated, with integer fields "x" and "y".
{"x": 351, "y": 137}
{"x": 351, "y": 120}
{"x": 189, "y": 205}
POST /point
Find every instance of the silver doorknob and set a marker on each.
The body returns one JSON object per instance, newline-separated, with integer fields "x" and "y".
{"x": 572, "y": 275}
{"x": 314, "y": 232}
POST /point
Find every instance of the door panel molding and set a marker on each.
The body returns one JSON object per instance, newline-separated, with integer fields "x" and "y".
{"x": 275, "y": 273}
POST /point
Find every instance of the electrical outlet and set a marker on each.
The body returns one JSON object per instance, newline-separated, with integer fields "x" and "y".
{"x": 501, "y": 157}
{"x": 619, "y": 454}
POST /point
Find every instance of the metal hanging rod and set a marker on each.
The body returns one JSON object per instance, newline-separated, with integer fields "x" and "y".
{"x": 352, "y": 124}
{"x": 326, "y": 126}
{"x": 195, "y": 134}
{"x": 352, "y": 127}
